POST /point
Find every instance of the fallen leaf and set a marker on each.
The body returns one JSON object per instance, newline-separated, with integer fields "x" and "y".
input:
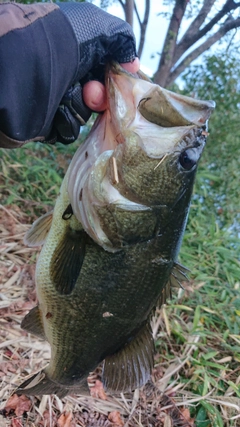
{"x": 16, "y": 423}
{"x": 65, "y": 420}
{"x": 18, "y": 404}
{"x": 116, "y": 419}
{"x": 185, "y": 414}
{"x": 6, "y": 367}
{"x": 97, "y": 391}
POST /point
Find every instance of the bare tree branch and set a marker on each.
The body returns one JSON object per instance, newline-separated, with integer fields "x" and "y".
{"x": 165, "y": 62}
{"x": 193, "y": 35}
{"x": 129, "y": 7}
{"x": 229, "y": 25}
{"x": 143, "y": 25}
{"x": 199, "y": 20}
{"x": 137, "y": 14}
{"x": 172, "y": 51}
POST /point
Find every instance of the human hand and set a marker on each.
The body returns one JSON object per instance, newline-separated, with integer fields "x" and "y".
{"x": 101, "y": 37}
{"x": 94, "y": 94}
{"x": 52, "y": 75}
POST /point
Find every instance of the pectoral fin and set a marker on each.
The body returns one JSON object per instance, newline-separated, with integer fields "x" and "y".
{"x": 32, "y": 323}
{"x": 38, "y": 232}
{"x": 41, "y": 383}
{"x": 130, "y": 367}
{"x": 67, "y": 260}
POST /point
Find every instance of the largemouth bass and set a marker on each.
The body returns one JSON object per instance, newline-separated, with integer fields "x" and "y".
{"x": 112, "y": 241}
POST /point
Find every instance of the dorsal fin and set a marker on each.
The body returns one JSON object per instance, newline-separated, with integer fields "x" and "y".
{"x": 32, "y": 323}
{"x": 178, "y": 275}
{"x": 38, "y": 232}
{"x": 67, "y": 260}
{"x": 130, "y": 367}
{"x": 165, "y": 294}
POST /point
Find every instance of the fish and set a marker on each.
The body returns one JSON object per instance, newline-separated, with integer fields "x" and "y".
{"x": 111, "y": 244}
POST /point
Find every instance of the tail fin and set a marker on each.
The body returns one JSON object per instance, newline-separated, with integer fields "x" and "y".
{"x": 40, "y": 383}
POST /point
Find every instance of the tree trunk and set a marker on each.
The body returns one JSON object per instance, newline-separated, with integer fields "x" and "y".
{"x": 166, "y": 60}
{"x": 229, "y": 25}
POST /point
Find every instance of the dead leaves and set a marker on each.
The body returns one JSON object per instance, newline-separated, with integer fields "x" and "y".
{"x": 174, "y": 415}
{"x": 185, "y": 414}
{"x": 15, "y": 422}
{"x": 97, "y": 390}
{"x": 116, "y": 419}
{"x": 65, "y": 420}
{"x": 17, "y": 405}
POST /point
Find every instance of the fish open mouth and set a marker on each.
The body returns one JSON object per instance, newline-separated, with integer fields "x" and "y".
{"x": 136, "y": 107}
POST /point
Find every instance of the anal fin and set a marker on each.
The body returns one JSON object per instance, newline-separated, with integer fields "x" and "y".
{"x": 32, "y": 323}
{"x": 130, "y": 367}
{"x": 67, "y": 260}
{"x": 38, "y": 232}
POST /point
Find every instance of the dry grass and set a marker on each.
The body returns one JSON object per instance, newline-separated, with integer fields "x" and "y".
{"x": 162, "y": 403}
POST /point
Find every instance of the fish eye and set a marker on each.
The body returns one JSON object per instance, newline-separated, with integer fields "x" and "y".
{"x": 188, "y": 158}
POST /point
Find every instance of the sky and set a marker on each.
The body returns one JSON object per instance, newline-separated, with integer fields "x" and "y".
{"x": 156, "y": 31}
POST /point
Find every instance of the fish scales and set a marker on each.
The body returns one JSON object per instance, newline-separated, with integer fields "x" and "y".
{"x": 114, "y": 237}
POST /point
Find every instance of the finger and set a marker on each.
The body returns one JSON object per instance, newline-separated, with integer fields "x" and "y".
{"x": 94, "y": 95}
{"x": 132, "y": 67}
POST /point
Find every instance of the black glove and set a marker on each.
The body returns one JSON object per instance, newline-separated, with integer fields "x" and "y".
{"x": 47, "y": 53}
{"x": 101, "y": 37}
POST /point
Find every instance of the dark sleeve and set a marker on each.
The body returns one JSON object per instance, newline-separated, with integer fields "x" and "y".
{"x": 39, "y": 58}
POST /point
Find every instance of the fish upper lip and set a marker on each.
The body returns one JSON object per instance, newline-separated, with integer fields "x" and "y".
{"x": 151, "y": 106}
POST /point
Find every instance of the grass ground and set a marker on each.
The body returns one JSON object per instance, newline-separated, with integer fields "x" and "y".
{"x": 197, "y": 362}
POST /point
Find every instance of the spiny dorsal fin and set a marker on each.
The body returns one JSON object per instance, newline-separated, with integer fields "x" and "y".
{"x": 130, "y": 367}
{"x": 178, "y": 275}
{"x": 32, "y": 323}
{"x": 166, "y": 294}
{"x": 67, "y": 260}
{"x": 38, "y": 232}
